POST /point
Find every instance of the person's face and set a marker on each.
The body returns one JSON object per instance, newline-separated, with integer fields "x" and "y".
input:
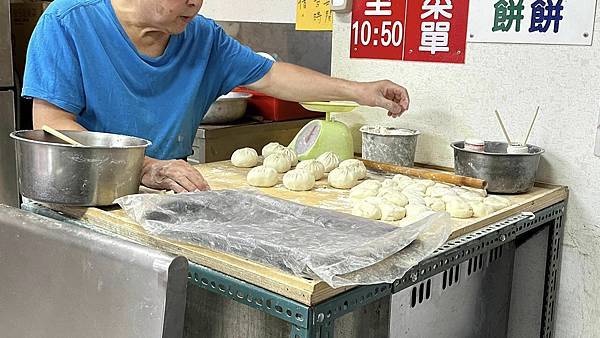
{"x": 174, "y": 15}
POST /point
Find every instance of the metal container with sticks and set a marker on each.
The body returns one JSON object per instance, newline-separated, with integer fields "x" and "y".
{"x": 508, "y": 168}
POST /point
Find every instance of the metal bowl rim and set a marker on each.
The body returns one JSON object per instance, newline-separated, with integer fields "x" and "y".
{"x": 234, "y": 96}
{"x": 454, "y": 145}
{"x": 366, "y": 130}
{"x": 15, "y": 135}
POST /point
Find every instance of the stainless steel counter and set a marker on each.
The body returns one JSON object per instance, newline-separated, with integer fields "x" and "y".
{"x": 61, "y": 280}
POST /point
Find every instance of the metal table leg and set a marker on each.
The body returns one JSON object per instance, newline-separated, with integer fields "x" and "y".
{"x": 552, "y": 275}
{"x": 485, "y": 300}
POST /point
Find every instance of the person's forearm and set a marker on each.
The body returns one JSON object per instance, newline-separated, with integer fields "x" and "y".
{"x": 59, "y": 124}
{"x": 294, "y": 83}
{"x": 45, "y": 113}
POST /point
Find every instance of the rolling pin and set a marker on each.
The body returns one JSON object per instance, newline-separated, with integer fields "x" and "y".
{"x": 427, "y": 174}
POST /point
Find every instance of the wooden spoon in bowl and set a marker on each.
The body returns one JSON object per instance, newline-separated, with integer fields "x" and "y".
{"x": 61, "y": 136}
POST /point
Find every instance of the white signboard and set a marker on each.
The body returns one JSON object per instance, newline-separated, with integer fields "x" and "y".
{"x": 561, "y": 22}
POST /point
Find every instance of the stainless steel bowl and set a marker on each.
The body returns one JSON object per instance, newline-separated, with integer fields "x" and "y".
{"x": 227, "y": 108}
{"x": 109, "y": 166}
{"x": 505, "y": 173}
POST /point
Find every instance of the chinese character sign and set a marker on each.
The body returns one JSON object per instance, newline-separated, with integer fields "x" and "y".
{"x": 377, "y": 29}
{"x": 314, "y": 15}
{"x": 413, "y": 30}
{"x": 532, "y": 21}
{"x": 441, "y": 30}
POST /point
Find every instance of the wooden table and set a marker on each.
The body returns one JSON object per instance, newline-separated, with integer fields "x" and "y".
{"x": 221, "y": 175}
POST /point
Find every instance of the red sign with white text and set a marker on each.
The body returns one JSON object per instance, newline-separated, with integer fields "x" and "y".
{"x": 377, "y": 30}
{"x": 412, "y": 30}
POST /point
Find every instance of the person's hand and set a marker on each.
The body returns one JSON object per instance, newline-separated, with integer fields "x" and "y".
{"x": 384, "y": 94}
{"x": 176, "y": 175}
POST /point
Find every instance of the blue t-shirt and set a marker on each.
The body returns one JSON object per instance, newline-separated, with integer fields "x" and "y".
{"x": 81, "y": 60}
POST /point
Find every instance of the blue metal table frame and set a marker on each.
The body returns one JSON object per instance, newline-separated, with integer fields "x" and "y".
{"x": 318, "y": 320}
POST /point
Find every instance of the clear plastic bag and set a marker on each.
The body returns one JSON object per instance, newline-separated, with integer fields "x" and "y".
{"x": 337, "y": 248}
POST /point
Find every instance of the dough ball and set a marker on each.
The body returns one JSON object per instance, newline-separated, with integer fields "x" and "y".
{"x": 402, "y": 178}
{"x": 481, "y": 209}
{"x": 452, "y": 198}
{"x": 403, "y": 184}
{"x": 391, "y": 211}
{"x": 442, "y": 185}
{"x": 426, "y": 183}
{"x": 374, "y": 200}
{"x": 366, "y": 210}
{"x": 244, "y": 158}
{"x": 373, "y": 184}
{"x": 416, "y": 187}
{"x": 459, "y": 190}
{"x": 357, "y": 165}
{"x": 480, "y": 192}
{"x": 414, "y": 210}
{"x": 389, "y": 184}
{"x": 262, "y": 176}
{"x": 437, "y": 192}
{"x": 414, "y": 197}
{"x": 470, "y": 196}
{"x": 361, "y": 192}
{"x": 436, "y": 204}
{"x": 315, "y": 167}
{"x": 271, "y": 148}
{"x": 497, "y": 202}
{"x": 279, "y": 162}
{"x": 342, "y": 178}
{"x": 459, "y": 209}
{"x": 383, "y": 191}
{"x": 330, "y": 160}
{"x": 394, "y": 197}
{"x": 299, "y": 180}
{"x": 289, "y": 153}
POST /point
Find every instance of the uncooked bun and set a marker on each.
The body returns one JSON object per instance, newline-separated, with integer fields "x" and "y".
{"x": 330, "y": 160}
{"x": 342, "y": 178}
{"x": 279, "y": 162}
{"x": 262, "y": 176}
{"x": 367, "y": 210}
{"x": 289, "y": 153}
{"x": 299, "y": 180}
{"x": 357, "y": 165}
{"x": 315, "y": 167}
{"x": 244, "y": 158}
{"x": 271, "y": 148}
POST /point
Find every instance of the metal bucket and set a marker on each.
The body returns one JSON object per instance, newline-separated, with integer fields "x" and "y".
{"x": 505, "y": 173}
{"x": 389, "y": 145}
{"x": 108, "y": 167}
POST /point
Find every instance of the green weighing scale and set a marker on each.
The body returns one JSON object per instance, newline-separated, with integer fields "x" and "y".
{"x": 319, "y": 136}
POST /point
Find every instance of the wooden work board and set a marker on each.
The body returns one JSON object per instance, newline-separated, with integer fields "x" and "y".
{"x": 222, "y": 175}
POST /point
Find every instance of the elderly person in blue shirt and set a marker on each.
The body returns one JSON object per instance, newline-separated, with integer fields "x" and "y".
{"x": 151, "y": 69}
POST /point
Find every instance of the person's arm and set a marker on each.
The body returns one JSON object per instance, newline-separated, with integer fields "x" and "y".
{"x": 176, "y": 175}
{"x": 294, "y": 83}
{"x": 45, "y": 113}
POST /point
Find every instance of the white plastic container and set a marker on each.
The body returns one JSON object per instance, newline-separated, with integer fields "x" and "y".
{"x": 474, "y": 144}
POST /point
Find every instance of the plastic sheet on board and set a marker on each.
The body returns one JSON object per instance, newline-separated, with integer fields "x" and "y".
{"x": 338, "y": 248}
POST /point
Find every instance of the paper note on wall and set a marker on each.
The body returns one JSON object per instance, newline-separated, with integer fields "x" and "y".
{"x": 314, "y": 15}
